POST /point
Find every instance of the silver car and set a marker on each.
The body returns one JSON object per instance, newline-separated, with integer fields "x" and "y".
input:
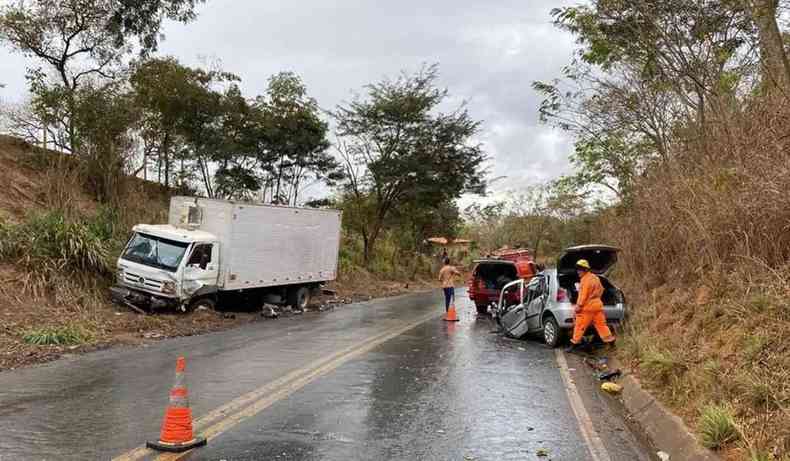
{"x": 544, "y": 304}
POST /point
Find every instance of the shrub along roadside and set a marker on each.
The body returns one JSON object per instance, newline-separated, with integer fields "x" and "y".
{"x": 49, "y": 244}
{"x": 58, "y": 336}
{"x": 705, "y": 263}
{"x": 717, "y": 426}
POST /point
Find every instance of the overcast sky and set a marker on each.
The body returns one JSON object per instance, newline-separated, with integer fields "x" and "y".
{"x": 488, "y": 55}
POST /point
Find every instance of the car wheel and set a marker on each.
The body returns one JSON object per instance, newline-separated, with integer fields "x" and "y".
{"x": 552, "y": 335}
{"x": 299, "y": 298}
{"x": 482, "y": 309}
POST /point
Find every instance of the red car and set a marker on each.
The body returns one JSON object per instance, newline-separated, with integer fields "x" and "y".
{"x": 491, "y": 274}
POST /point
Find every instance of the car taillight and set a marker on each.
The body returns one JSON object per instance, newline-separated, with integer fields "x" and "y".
{"x": 562, "y": 295}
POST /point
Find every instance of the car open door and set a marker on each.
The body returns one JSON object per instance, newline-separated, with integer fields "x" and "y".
{"x": 511, "y": 311}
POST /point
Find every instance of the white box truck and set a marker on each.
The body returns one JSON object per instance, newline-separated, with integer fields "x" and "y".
{"x": 211, "y": 248}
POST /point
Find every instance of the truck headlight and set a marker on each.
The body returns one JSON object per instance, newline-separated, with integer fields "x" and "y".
{"x": 119, "y": 276}
{"x": 169, "y": 288}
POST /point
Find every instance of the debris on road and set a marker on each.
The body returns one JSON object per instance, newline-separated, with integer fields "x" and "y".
{"x": 542, "y": 453}
{"x": 607, "y": 375}
{"x": 269, "y": 311}
{"x": 612, "y": 388}
{"x": 135, "y": 308}
{"x": 598, "y": 365}
{"x": 325, "y": 307}
{"x": 663, "y": 456}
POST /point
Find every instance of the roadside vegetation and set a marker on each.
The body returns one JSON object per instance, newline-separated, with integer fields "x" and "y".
{"x": 681, "y": 114}
{"x": 112, "y": 130}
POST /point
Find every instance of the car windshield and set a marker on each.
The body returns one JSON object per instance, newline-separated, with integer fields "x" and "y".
{"x": 155, "y": 251}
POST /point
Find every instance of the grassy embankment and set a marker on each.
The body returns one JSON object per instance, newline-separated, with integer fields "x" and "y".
{"x": 706, "y": 259}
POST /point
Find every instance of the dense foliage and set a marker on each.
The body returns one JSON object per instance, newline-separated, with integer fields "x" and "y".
{"x": 680, "y": 112}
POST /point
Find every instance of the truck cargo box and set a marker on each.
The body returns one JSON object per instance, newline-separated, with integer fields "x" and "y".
{"x": 264, "y": 245}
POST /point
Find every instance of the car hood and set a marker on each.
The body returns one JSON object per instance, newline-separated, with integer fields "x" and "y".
{"x": 601, "y": 258}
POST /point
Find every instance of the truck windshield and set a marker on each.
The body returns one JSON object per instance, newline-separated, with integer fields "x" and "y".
{"x": 155, "y": 251}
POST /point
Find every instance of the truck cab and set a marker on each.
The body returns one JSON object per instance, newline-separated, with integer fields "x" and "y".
{"x": 163, "y": 266}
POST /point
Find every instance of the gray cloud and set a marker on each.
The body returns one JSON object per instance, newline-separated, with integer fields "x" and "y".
{"x": 489, "y": 54}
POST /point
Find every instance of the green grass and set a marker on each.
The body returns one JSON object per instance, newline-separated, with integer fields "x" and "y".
{"x": 753, "y": 346}
{"x": 757, "y": 390}
{"x": 756, "y": 455}
{"x": 59, "y": 336}
{"x": 717, "y": 427}
{"x": 660, "y": 366}
{"x": 50, "y": 243}
{"x": 761, "y": 303}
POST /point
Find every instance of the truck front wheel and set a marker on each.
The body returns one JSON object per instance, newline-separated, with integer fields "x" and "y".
{"x": 299, "y": 297}
{"x": 201, "y": 304}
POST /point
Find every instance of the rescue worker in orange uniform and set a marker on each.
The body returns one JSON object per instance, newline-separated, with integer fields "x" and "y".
{"x": 589, "y": 307}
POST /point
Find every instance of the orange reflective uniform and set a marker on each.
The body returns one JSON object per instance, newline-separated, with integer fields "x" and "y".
{"x": 591, "y": 310}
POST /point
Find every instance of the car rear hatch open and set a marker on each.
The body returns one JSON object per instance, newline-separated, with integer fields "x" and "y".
{"x": 600, "y": 257}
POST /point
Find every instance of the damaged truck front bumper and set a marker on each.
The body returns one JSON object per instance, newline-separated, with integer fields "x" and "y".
{"x": 140, "y": 300}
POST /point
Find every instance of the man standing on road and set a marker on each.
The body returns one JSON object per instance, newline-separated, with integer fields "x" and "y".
{"x": 447, "y": 276}
{"x": 589, "y": 307}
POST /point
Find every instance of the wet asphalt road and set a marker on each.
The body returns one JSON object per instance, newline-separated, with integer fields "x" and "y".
{"x": 436, "y": 391}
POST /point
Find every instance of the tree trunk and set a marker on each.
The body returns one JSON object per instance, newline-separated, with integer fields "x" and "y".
{"x": 776, "y": 67}
{"x": 279, "y": 179}
{"x": 166, "y": 153}
{"x": 366, "y": 249}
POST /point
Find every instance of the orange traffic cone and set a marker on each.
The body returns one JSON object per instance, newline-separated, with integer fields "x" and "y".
{"x": 176, "y": 435}
{"x": 451, "y": 316}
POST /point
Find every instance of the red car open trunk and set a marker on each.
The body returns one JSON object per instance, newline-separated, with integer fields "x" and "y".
{"x": 491, "y": 274}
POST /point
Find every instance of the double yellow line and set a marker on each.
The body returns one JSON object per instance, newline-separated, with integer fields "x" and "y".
{"x": 227, "y": 416}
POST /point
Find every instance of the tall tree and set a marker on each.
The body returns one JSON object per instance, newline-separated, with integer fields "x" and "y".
{"x": 105, "y": 117}
{"x": 775, "y": 63}
{"x": 398, "y": 147}
{"x": 143, "y": 19}
{"x": 175, "y": 101}
{"x": 235, "y": 143}
{"x": 295, "y": 137}
{"x": 683, "y": 45}
{"x": 77, "y": 40}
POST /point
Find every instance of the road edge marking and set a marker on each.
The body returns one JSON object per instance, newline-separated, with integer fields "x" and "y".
{"x": 591, "y": 438}
{"x": 247, "y": 405}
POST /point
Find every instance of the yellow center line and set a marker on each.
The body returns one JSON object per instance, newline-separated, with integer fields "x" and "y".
{"x": 252, "y": 403}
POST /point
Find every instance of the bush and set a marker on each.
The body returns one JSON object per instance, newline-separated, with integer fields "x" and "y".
{"x": 717, "y": 427}
{"x": 660, "y": 366}
{"x": 69, "y": 335}
{"x": 49, "y": 244}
